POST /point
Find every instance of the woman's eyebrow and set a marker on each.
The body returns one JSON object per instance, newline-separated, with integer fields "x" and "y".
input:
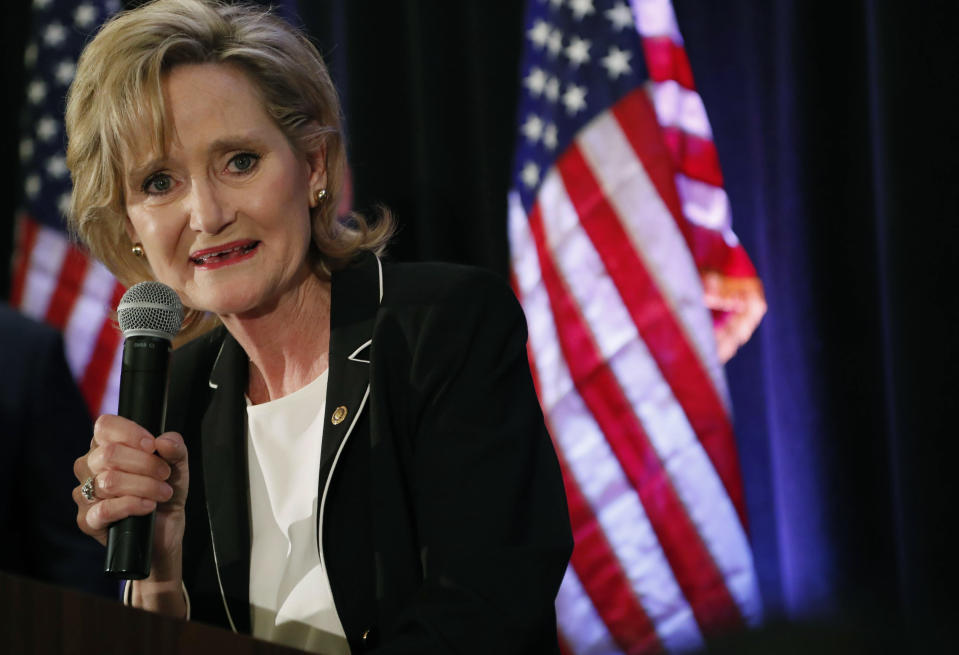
{"x": 135, "y": 173}
{"x": 238, "y": 142}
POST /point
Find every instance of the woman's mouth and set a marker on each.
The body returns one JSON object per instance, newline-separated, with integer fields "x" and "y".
{"x": 229, "y": 253}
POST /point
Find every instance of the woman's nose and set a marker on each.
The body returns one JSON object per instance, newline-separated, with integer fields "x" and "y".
{"x": 208, "y": 213}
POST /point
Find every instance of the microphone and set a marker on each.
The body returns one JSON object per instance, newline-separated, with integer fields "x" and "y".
{"x": 150, "y": 314}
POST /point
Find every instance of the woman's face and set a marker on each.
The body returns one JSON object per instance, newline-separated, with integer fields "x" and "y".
{"x": 223, "y": 215}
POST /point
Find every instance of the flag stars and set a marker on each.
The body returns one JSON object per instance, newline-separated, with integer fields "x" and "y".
{"x": 554, "y": 44}
{"x": 57, "y": 166}
{"x": 46, "y": 128}
{"x": 41, "y": 4}
{"x": 532, "y": 129}
{"x": 54, "y": 35}
{"x": 36, "y": 92}
{"x": 31, "y": 186}
{"x": 551, "y": 90}
{"x": 574, "y": 99}
{"x": 616, "y": 62}
{"x": 530, "y": 174}
{"x": 65, "y": 71}
{"x": 26, "y": 150}
{"x": 536, "y": 81}
{"x": 30, "y": 55}
{"x": 581, "y": 8}
{"x": 550, "y": 139}
{"x": 539, "y": 33}
{"x": 63, "y": 204}
{"x": 578, "y": 51}
{"x": 620, "y": 16}
{"x": 84, "y": 15}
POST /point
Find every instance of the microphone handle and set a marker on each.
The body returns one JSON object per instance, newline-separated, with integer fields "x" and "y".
{"x": 143, "y": 388}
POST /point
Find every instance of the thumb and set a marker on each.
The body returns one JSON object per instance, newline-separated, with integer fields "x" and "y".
{"x": 171, "y": 447}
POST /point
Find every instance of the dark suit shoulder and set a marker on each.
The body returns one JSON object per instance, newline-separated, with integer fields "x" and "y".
{"x": 435, "y": 282}
{"x": 28, "y": 334}
{"x": 190, "y": 369}
{"x": 196, "y": 357}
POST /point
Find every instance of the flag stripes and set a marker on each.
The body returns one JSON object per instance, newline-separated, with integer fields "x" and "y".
{"x": 592, "y": 472}
{"x": 693, "y": 156}
{"x": 656, "y": 385}
{"x": 49, "y": 251}
{"x": 686, "y": 130}
{"x": 613, "y": 212}
{"x": 56, "y": 281}
{"x": 667, "y": 60}
{"x": 695, "y": 571}
{"x": 653, "y": 316}
{"x": 66, "y": 288}
{"x": 100, "y": 382}
{"x": 26, "y": 241}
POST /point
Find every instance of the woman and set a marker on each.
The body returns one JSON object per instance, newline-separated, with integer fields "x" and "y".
{"x": 356, "y": 458}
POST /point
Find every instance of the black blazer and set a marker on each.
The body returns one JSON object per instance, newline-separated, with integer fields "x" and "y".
{"x": 443, "y": 518}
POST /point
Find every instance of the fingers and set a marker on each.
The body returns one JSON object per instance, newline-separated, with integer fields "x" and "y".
{"x": 118, "y": 457}
{"x": 113, "y": 484}
{"x": 121, "y": 437}
{"x": 95, "y": 518}
{"x": 101, "y": 515}
{"x": 130, "y": 474}
{"x": 116, "y": 429}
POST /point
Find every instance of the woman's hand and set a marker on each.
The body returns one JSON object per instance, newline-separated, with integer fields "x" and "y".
{"x": 130, "y": 479}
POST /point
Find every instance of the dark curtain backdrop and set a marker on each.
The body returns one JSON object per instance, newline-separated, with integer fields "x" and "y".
{"x": 836, "y": 134}
{"x": 836, "y": 131}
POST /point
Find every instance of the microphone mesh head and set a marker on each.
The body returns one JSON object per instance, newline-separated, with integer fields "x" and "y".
{"x": 150, "y": 309}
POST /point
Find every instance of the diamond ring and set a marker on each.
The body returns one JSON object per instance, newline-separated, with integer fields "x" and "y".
{"x": 88, "y": 490}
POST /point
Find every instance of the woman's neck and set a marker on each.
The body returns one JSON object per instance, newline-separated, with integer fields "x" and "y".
{"x": 288, "y": 346}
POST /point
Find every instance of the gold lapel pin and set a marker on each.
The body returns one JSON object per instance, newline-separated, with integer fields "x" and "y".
{"x": 338, "y": 415}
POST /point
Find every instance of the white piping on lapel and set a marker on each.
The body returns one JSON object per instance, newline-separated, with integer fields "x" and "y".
{"x": 326, "y": 486}
{"x": 216, "y": 565}
{"x": 216, "y": 361}
{"x": 379, "y": 265}
{"x": 216, "y": 561}
{"x": 354, "y": 358}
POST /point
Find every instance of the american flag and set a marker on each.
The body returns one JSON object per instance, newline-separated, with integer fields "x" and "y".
{"x": 54, "y": 279}
{"x": 617, "y": 205}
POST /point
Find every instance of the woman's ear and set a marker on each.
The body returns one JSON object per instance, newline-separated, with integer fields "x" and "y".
{"x": 316, "y": 160}
{"x": 131, "y": 232}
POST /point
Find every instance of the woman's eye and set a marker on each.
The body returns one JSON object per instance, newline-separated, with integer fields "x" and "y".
{"x": 243, "y": 162}
{"x": 158, "y": 183}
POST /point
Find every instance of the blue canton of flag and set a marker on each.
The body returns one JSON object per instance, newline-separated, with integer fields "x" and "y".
{"x": 59, "y": 30}
{"x": 580, "y": 60}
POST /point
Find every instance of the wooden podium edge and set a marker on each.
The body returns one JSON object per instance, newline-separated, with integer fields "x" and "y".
{"x": 39, "y": 619}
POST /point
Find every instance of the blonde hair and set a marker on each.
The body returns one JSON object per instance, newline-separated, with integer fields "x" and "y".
{"x": 118, "y": 90}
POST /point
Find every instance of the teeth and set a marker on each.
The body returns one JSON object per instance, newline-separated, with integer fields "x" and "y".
{"x": 202, "y": 259}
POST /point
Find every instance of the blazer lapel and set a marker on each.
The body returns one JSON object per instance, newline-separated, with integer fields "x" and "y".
{"x": 226, "y": 480}
{"x": 356, "y": 294}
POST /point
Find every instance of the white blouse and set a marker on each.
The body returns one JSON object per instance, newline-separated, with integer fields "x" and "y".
{"x": 290, "y": 598}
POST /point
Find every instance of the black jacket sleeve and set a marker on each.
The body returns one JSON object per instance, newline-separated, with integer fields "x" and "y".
{"x": 488, "y": 501}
